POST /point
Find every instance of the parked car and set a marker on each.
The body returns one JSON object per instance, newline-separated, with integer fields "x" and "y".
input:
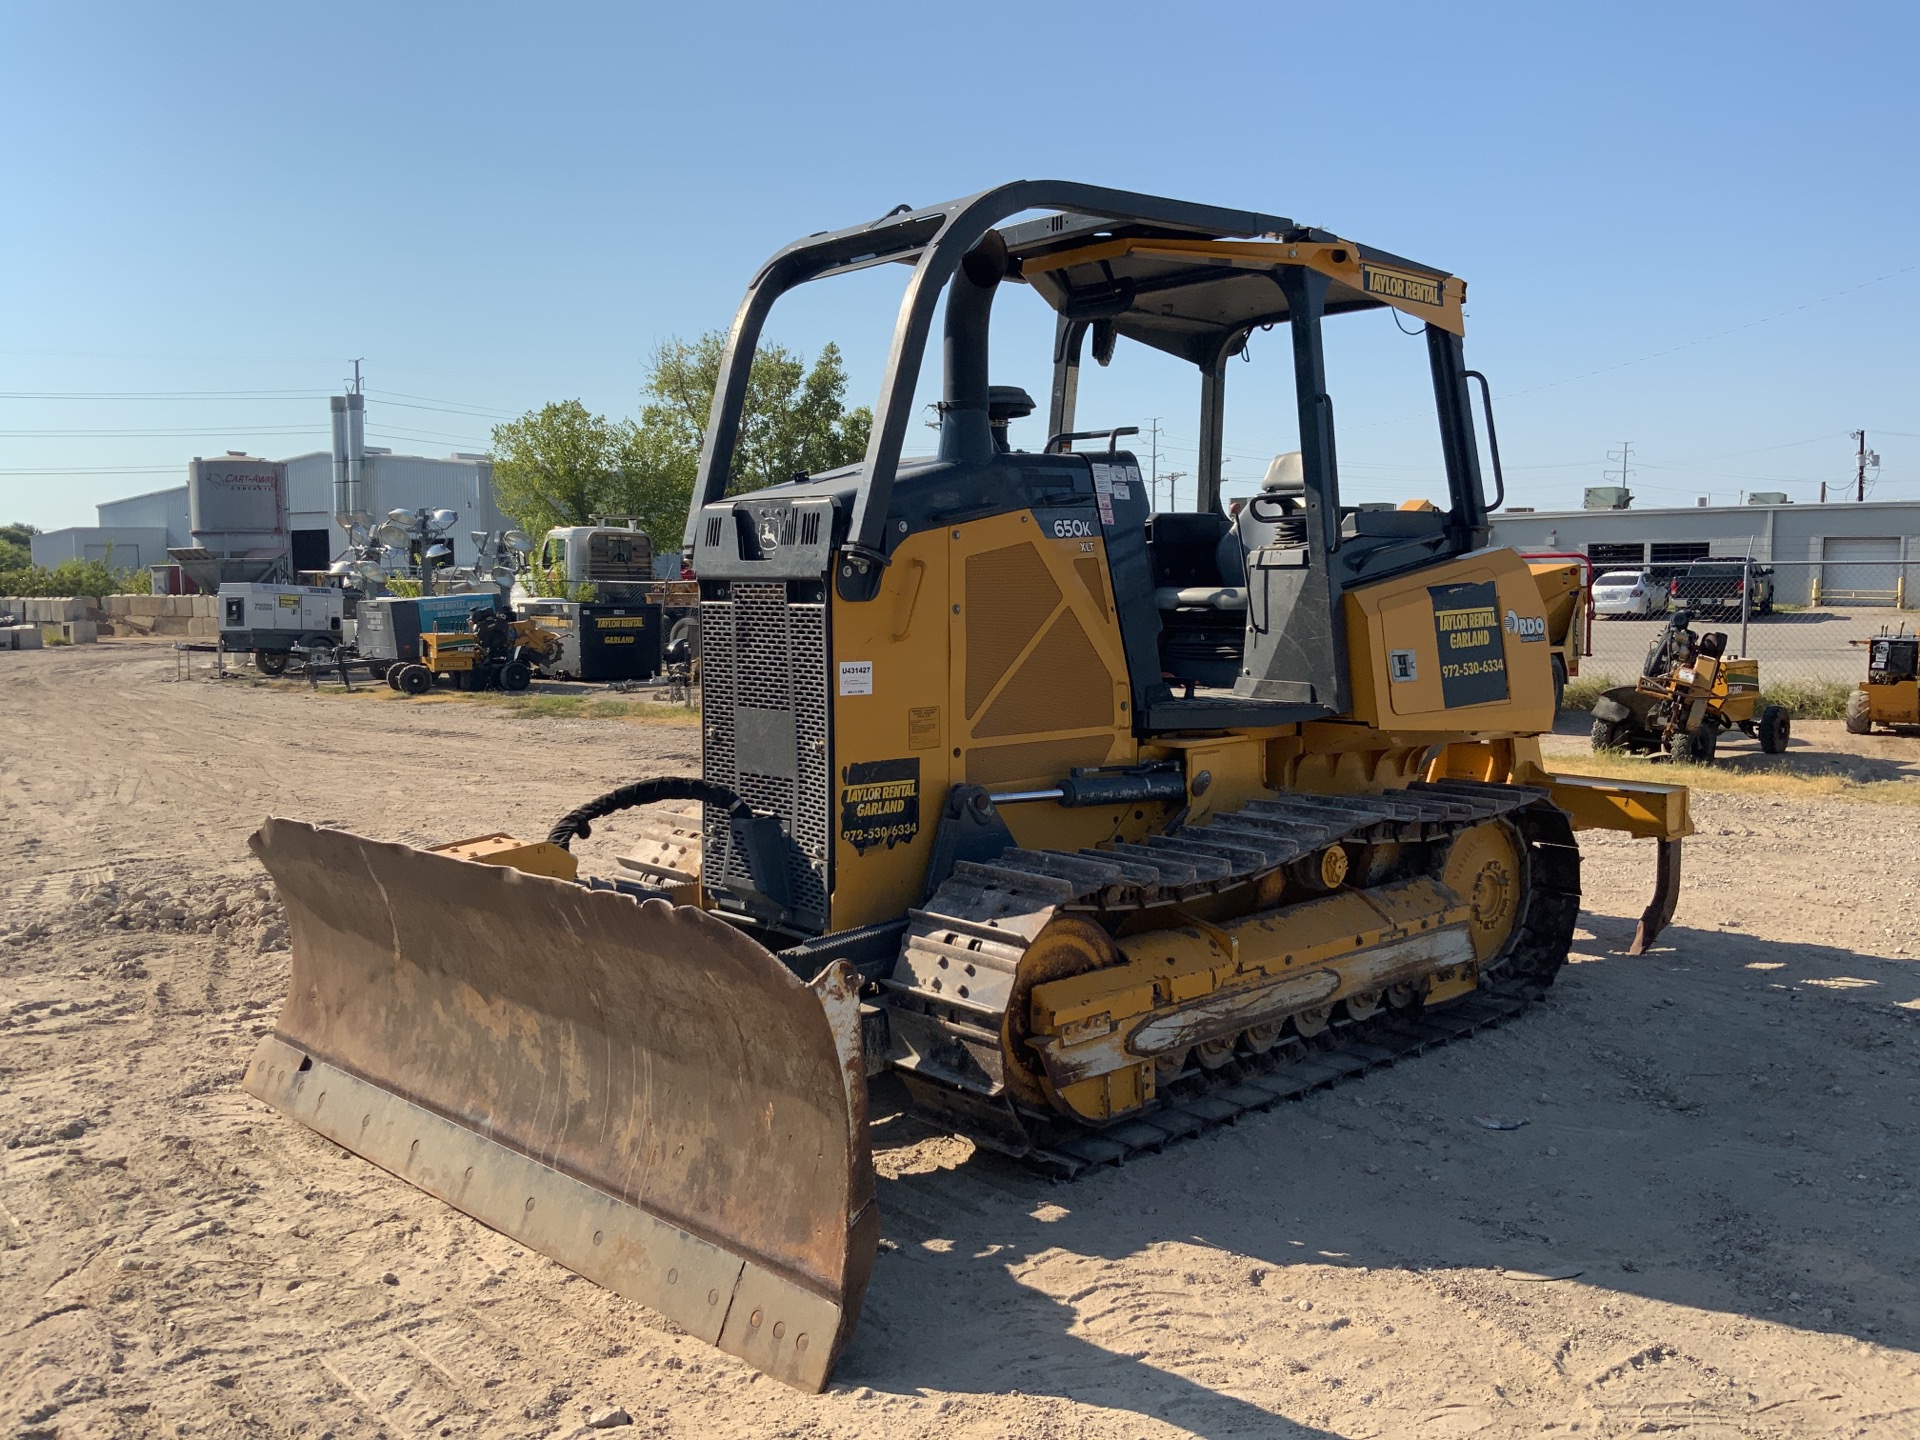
{"x": 1720, "y": 588}
{"x": 1629, "y": 593}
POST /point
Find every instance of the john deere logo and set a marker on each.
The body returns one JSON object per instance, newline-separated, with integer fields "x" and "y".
{"x": 769, "y": 536}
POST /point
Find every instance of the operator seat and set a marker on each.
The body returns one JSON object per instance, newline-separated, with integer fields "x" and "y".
{"x": 1283, "y": 490}
{"x": 1200, "y": 575}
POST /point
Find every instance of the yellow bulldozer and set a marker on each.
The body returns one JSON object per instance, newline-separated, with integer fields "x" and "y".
{"x": 1094, "y": 826}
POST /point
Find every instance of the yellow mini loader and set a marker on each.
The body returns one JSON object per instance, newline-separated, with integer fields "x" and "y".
{"x": 1094, "y": 825}
{"x": 493, "y": 653}
{"x": 1689, "y": 694}
{"x": 1890, "y": 695}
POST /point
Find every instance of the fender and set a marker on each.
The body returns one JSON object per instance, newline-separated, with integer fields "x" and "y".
{"x": 1609, "y": 707}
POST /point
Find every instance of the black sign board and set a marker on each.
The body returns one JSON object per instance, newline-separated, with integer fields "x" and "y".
{"x": 1473, "y": 651}
{"x": 880, "y": 803}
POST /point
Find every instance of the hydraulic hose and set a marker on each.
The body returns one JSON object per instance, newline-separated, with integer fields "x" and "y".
{"x": 578, "y": 823}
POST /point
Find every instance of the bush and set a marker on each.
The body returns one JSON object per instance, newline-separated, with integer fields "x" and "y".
{"x": 1583, "y": 690}
{"x": 1804, "y": 699}
{"x": 92, "y": 578}
{"x": 1809, "y": 699}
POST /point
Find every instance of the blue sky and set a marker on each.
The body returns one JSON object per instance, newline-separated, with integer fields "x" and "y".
{"x": 1690, "y": 227}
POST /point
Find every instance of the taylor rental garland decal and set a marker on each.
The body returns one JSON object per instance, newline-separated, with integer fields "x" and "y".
{"x": 1473, "y": 650}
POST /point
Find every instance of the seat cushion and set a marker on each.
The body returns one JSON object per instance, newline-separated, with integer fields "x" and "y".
{"x": 1201, "y": 597}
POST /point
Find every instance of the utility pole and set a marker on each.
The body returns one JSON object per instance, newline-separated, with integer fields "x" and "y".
{"x": 1623, "y": 460}
{"x": 356, "y": 377}
{"x": 1153, "y": 466}
{"x": 1174, "y": 477}
{"x": 1863, "y": 457}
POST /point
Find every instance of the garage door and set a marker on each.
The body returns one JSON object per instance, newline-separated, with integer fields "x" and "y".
{"x": 1860, "y": 570}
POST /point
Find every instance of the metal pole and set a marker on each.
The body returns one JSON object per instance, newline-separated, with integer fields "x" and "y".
{"x": 1153, "y": 481}
{"x": 1860, "y": 468}
{"x": 1746, "y": 598}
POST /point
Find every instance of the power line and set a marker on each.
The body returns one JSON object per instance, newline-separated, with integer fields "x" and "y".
{"x": 435, "y": 400}
{"x": 96, "y": 470}
{"x": 161, "y": 434}
{"x": 163, "y": 394}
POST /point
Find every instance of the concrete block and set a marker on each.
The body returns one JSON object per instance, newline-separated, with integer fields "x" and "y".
{"x": 204, "y": 627}
{"x": 172, "y": 624}
{"x": 117, "y": 605}
{"x": 181, "y": 606}
{"x": 79, "y": 632}
{"x": 21, "y": 637}
{"x": 141, "y": 605}
{"x": 206, "y": 607}
{"x": 69, "y": 608}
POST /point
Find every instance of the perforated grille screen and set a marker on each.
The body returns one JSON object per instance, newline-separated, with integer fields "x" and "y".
{"x": 1011, "y": 595}
{"x": 1062, "y": 685}
{"x": 762, "y": 652}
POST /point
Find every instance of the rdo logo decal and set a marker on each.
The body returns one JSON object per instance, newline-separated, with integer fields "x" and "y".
{"x": 1527, "y": 627}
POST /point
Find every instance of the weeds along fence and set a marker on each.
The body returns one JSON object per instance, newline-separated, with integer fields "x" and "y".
{"x": 1806, "y": 621}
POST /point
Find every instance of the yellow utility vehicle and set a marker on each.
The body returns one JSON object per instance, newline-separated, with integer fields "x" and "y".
{"x": 1566, "y": 588}
{"x": 1890, "y": 695}
{"x": 1095, "y": 826}
{"x": 493, "y": 653}
{"x": 1689, "y": 694}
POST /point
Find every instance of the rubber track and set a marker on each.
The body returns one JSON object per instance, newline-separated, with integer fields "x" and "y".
{"x": 1295, "y": 1068}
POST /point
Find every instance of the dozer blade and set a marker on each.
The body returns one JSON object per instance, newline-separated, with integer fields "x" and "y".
{"x": 637, "y": 1090}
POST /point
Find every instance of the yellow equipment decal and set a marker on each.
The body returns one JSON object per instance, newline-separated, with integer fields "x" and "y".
{"x": 1400, "y": 285}
{"x": 1473, "y": 654}
{"x": 880, "y": 803}
{"x": 620, "y": 622}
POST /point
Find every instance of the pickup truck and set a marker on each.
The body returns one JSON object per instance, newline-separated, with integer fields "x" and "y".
{"x": 1720, "y": 588}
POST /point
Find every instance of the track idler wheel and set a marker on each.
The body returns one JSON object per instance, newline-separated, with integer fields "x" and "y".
{"x": 1068, "y": 946}
{"x": 1486, "y": 867}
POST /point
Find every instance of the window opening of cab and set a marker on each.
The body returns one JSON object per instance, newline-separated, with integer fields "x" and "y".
{"x": 1380, "y": 376}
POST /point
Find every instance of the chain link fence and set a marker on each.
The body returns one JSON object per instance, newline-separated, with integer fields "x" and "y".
{"x": 1806, "y": 621}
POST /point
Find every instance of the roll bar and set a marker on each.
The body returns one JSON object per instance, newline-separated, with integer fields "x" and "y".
{"x": 933, "y": 240}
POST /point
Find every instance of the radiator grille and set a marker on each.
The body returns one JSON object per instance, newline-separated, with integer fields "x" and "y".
{"x": 762, "y": 651}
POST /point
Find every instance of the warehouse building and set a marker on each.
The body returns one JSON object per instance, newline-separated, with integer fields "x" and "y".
{"x": 139, "y": 531}
{"x": 1870, "y": 552}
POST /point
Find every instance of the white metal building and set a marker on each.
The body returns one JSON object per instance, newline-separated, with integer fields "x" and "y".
{"x": 461, "y": 483}
{"x": 1800, "y": 540}
{"x": 140, "y": 529}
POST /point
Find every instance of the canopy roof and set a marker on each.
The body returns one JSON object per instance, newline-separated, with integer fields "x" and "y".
{"x": 1186, "y": 293}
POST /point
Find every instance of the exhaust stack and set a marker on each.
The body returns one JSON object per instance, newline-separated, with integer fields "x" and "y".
{"x": 342, "y": 508}
{"x": 351, "y": 498}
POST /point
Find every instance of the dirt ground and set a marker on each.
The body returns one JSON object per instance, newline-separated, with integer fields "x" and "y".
{"x": 1707, "y": 1225}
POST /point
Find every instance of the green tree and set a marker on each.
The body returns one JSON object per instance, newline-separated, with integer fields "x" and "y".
{"x": 795, "y": 420}
{"x": 555, "y": 466}
{"x": 75, "y": 577}
{"x": 561, "y": 465}
{"x": 16, "y": 546}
